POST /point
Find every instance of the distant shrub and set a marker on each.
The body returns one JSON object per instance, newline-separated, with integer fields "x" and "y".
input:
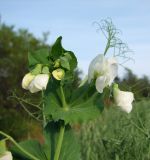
{"x": 118, "y": 136}
{"x": 18, "y": 125}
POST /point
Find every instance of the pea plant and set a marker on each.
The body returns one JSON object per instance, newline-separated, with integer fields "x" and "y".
{"x": 51, "y": 72}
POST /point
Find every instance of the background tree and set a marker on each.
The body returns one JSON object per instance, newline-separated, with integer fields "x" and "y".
{"x": 14, "y": 47}
{"x": 139, "y": 86}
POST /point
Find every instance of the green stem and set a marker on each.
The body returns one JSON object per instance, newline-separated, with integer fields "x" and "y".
{"x": 107, "y": 47}
{"x": 64, "y": 104}
{"x": 31, "y": 114}
{"x": 44, "y": 119}
{"x": 108, "y": 42}
{"x": 25, "y": 101}
{"x": 62, "y": 128}
{"x": 34, "y": 105}
{"x": 59, "y": 143}
{"x": 18, "y": 146}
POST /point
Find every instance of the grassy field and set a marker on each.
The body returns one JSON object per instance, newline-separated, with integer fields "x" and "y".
{"x": 117, "y": 135}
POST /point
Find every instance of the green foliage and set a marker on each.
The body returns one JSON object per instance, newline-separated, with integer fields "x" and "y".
{"x": 89, "y": 102}
{"x": 70, "y": 148}
{"x": 33, "y": 147}
{"x": 83, "y": 104}
{"x": 38, "y": 57}
{"x": 117, "y": 135}
{"x": 43, "y": 61}
{"x": 113, "y": 41}
{"x": 67, "y": 58}
{"x": 56, "y": 50}
{"x": 139, "y": 86}
{"x": 64, "y": 63}
{"x": 67, "y": 107}
{"x": 65, "y": 103}
{"x": 70, "y": 59}
{"x": 10, "y": 122}
{"x": 57, "y": 57}
{"x": 14, "y": 48}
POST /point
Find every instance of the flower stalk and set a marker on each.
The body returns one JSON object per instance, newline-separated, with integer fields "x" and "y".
{"x": 18, "y": 146}
{"x": 59, "y": 143}
{"x": 62, "y": 128}
{"x": 43, "y": 105}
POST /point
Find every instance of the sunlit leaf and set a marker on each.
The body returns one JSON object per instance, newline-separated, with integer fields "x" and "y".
{"x": 38, "y": 57}
{"x": 31, "y": 146}
{"x": 85, "y": 104}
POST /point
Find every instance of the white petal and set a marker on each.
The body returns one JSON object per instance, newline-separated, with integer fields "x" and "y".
{"x": 103, "y": 70}
{"x": 6, "y": 156}
{"x": 123, "y": 99}
{"x": 100, "y": 65}
{"x": 112, "y": 70}
{"x": 40, "y": 81}
{"x": 32, "y": 87}
{"x": 96, "y": 65}
{"x": 127, "y": 108}
{"x": 27, "y": 80}
{"x": 112, "y": 60}
{"x": 100, "y": 84}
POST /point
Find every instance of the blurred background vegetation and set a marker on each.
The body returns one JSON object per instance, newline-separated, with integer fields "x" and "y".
{"x": 14, "y": 47}
{"x": 117, "y": 135}
{"x": 114, "y": 136}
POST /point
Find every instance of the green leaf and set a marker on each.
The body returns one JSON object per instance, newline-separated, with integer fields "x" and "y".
{"x": 33, "y": 147}
{"x": 52, "y": 97}
{"x": 64, "y": 63}
{"x": 85, "y": 104}
{"x": 70, "y": 149}
{"x": 68, "y": 61}
{"x": 72, "y": 59}
{"x": 56, "y": 49}
{"x": 67, "y": 58}
{"x": 38, "y": 57}
{"x": 3, "y": 146}
{"x": 79, "y": 113}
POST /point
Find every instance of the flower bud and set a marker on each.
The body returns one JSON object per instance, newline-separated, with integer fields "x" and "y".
{"x": 6, "y": 156}
{"x": 57, "y": 63}
{"x": 123, "y": 99}
{"x": 27, "y": 80}
{"x": 58, "y": 73}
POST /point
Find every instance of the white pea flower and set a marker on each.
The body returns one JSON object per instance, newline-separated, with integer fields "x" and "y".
{"x": 58, "y": 74}
{"x": 39, "y": 83}
{"x": 103, "y": 70}
{"x": 123, "y": 99}
{"x": 6, "y": 156}
{"x": 27, "y": 80}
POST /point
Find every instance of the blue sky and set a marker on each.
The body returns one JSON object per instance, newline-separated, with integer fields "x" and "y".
{"x": 73, "y": 20}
